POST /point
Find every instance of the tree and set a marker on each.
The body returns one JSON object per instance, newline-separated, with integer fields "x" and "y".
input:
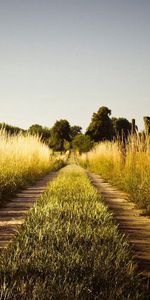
{"x": 75, "y": 130}
{"x": 60, "y": 133}
{"x": 101, "y": 127}
{"x": 11, "y": 129}
{"x": 36, "y": 129}
{"x": 82, "y": 143}
{"x": 43, "y": 132}
{"x": 121, "y": 127}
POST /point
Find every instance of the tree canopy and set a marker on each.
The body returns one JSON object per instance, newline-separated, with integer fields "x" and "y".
{"x": 60, "y": 133}
{"x": 122, "y": 127}
{"x": 82, "y": 143}
{"x": 75, "y": 130}
{"x": 62, "y": 136}
{"x": 41, "y": 131}
{"x": 101, "y": 127}
{"x": 11, "y": 129}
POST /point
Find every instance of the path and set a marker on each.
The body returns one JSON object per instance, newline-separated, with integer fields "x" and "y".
{"x": 135, "y": 226}
{"x": 14, "y": 211}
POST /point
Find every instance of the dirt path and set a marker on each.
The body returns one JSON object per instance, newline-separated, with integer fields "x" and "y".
{"x": 14, "y": 211}
{"x": 130, "y": 222}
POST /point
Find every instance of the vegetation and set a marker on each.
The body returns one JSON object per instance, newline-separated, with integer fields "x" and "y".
{"x": 121, "y": 128}
{"x": 69, "y": 248}
{"x": 60, "y": 133}
{"x": 11, "y": 129}
{"x": 75, "y": 130}
{"x": 82, "y": 143}
{"x": 23, "y": 158}
{"x": 125, "y": 165}
{"x": 62, "y": 136}
{"x": 101, "y": 127}
{"x": 42, "y": 132}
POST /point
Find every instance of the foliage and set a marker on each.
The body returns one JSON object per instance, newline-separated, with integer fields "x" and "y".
{"x": 60, "y": 133}
{"x": 82, "y": 143}
{"x": 122, "y": 128}
{"x": 42, "y": 132}
{"x": 101, "y": 127}
{"x": 75, "y": 130}
{"x": 69, "y": 248}
{"x": 11, "y": 129}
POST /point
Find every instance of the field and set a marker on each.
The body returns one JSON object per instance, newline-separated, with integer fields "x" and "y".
{"x": 71, "y": 248}
{"x": 23, "y": 159}
{"x": 129, "y": 168}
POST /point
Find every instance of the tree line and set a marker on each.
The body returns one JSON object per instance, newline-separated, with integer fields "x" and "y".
{"x": 62, "y": 136}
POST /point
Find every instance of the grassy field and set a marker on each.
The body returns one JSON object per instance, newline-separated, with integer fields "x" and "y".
{"x": 23, "y": 158}
{"x": 69, "y": 248}
{"x": 129, "y": 170}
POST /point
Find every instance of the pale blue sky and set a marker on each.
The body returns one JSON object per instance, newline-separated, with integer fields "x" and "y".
{"x": 66, "y": 58}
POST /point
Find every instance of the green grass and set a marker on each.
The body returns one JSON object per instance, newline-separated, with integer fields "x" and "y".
{"x": 69, "y": 248}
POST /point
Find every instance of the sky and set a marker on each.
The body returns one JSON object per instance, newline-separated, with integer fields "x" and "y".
{"x": 63, "y": 59}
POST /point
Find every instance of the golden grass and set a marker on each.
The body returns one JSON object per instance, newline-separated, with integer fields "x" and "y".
{"x": 22, "y": 159}
{"x": 128, "y": 169}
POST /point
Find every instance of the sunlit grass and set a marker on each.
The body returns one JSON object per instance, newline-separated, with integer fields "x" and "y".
{"x": 129, "y": 170}
{"x": 69, "y": 248}
{"x": 23, "y": 158}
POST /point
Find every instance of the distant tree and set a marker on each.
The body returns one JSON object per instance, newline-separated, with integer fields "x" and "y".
{"x": 43, "y": 132}
{"x": 36, "y": 129}
{"x": 101, "y": 127}
{"x": 75, "y": 130}
{"x": 11, "y": 129}
{"x": 121, "y": 127}
{"x": 60, "y": 133}
{"x": 82, "y": 143}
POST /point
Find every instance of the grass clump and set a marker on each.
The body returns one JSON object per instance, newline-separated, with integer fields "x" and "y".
{"x": 23, "y": 158}
{"x": 69, "y": 248}
{"x": 128, "y": 168}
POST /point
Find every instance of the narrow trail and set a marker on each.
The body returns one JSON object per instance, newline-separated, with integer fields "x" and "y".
{"x": 13, "y": 212}
{"x": 129, "y": 219}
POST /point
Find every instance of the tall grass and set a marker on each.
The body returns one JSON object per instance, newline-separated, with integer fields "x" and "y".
{"x": 23, "y": 158}
{"x": 128, "y": 169}
{"x": 69, "y": 248}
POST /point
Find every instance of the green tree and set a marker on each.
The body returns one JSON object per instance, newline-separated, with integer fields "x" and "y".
{"x": 60, "y": 133}
{"x": 101, "y": 127}
{"x": 36, "y": 129}
{"x": 121, "y": 127}
{"x": 75, "y": 130}
{"x": 82, "y": 143}
{"x": 11, "y": 129}
{"x": 43, "y": 132}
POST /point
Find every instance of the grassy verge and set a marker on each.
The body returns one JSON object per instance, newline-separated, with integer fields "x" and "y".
{"x": 69, "y": 248}
{"x": 23, "y": 159}
{"x": 129, "y": 170}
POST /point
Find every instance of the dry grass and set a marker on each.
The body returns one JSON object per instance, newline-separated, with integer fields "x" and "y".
{"x": 128, "y": 169}
{"x": 23, "y": 158}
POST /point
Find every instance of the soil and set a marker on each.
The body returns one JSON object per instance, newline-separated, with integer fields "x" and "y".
{"x": 14, "y": 210}
{"x": 130, "y": 222}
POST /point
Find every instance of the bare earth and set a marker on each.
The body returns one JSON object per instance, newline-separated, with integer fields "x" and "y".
{"x": 14, "y": 211}
{"x": 130, "y": 221}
